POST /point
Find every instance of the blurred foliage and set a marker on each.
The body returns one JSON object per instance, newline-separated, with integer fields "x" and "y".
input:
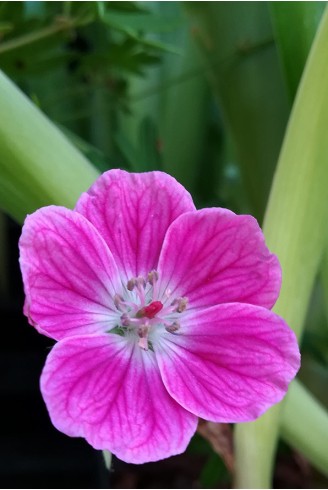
{"x": 294, "y": 40}
{"x": 202, "y": 90}
{"x": 74, "y": 60}
{"x": 243, "y": 66}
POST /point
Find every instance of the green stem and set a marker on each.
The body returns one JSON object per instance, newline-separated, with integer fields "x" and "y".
{"x": 64, "y": 24}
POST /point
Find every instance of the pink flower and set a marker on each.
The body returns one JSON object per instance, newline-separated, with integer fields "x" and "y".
{"x": 161, "y": 312}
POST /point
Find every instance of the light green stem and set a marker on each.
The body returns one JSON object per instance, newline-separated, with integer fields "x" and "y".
{"x": 295, "y": 229}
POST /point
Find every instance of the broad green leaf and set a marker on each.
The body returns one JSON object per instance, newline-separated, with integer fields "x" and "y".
{"x": 185, "y": 105}
{"x": 93, "y": 154}
{"x": 148, "y": 153}
{"x": 128, "y": 150}
{"x": 304, "y": 425}
{"x": 295, "y": 25}
{"x": 38, "y": 165}
{"x": 296, "y": 230}
{"x": 243, "y": 67}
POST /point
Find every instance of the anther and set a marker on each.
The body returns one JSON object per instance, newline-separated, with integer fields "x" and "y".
{"x": 143, "y": 331}
{"x": 143, "y": 343}
{"x": 118, "y": 300}
{"x": 181, "y": 304}
{"x": 173, "y": 327}
{"x": 143, "y": 337}
{"x": 152, "y": 277}
{"x": 125, "y": 320}
{"x": 141, "y": 281}
{"x": 131, "y": 284}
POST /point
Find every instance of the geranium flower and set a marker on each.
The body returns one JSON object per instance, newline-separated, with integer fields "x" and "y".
{"x": 161, "y": 313}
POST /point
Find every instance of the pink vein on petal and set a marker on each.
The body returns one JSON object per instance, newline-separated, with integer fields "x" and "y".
{"x": 133, "y": 212}
{"x": 229, "y": 363}
{"x": 213, "y": 256}
{"x": 70, "y": 276}
{"x": 107, "y": 390}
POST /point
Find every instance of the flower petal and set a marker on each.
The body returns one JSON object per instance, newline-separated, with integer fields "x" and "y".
{"x": 132, "y": 212}
{"x": 228, "y": 363}
{"x": 70, "y": 276}
{"x": 106, "y": 389}
{"x": 214, "y": 256}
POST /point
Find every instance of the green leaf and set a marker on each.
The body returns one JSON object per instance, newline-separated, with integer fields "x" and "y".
{"x": 148, "y": 146}
{"x": 296, "y": 230}
{"x": 243, "y": 67}
{"x": 93, "y": 154}
{"x": 38, "y": 165}
{"x": 295, "y": 26}
{"x": 213, "y": 472}
{"x": 127, "y": 149}
{"x": 304, "y": 425}
{"x": 143, "y": 157}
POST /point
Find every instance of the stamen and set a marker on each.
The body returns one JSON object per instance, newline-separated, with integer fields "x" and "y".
{"x": 141, "y": 284}
{"x": 118, "y": 301}
{"x": 152, "y": 277}
{"x": 143, "y": 337}
{"x": 131, "y": 284}
{"x": 125, "y": 320}
{"x": 181, "y": 304}
{"x": 143, "y": 331}
{"x": 173, "y": 327}
{"x": 143, "y": 343}
{"x": 141, "y": 281}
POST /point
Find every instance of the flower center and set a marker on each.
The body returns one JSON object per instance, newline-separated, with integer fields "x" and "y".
{"x": 142, "y": 308}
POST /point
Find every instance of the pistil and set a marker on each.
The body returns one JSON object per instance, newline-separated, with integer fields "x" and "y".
{"x": 151, "y": 310}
